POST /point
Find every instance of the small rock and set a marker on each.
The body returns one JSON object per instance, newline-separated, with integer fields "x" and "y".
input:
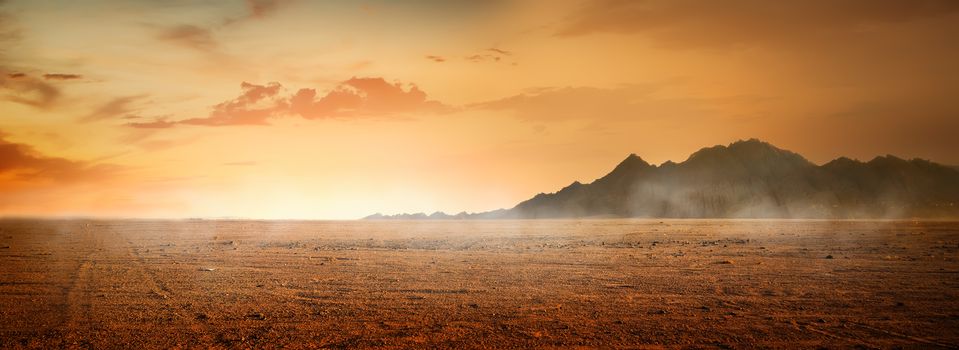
{"x": 256, "y": 316}
{"x": 208, "y": 269}
{"x": 828, "y": 256}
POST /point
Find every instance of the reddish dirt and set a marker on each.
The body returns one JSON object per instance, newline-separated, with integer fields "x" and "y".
{"x": 559, "y": 284}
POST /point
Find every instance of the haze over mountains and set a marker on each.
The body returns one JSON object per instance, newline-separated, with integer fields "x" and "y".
{"x": 747, "y": 179}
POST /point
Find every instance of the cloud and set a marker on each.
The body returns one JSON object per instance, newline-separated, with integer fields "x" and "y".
{"x": 255, "y": 106}
{"x": 189, "y": 36}
{"x": 490, "y": 54}
{"x": 261, "y": 8}
{"x": 61, "y": 76}
{"x": 704, "y": 23}
{"x": 484, "y": 55}
{"x": 201, "y": 38}
{"x": 363, "y": 97}
{"x": 624, "y": 103}
{"x": 356, "y": 97}
{"x": 359, "y": 65}
{"x": 22, "y": 88}
{"x": 258, "y": 9}
{"x": 21, "y": 163}
{"x": 160, "y": 123}
{"x": 115, "y": 108}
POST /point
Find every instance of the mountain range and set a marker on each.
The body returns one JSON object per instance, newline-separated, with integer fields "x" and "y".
{"x": 746, "y": 179}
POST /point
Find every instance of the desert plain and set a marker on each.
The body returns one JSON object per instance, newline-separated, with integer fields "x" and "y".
{"x": 479, "y": 284}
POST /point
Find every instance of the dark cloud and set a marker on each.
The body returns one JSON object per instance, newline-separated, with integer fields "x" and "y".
{"x": 61, "y": 76}
{"x": 489, "y": 55}
{"x": 21, "y": 88}
{"x": 705, "y": 23}
{"x": 482, "y": 57}
{"x": 189, "y": 36}
{"x": 22, "y": 163}
{"x": 434, "y": 58}
{"x": 115, "y": 108}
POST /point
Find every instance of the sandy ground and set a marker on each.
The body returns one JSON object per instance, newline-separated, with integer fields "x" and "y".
{"x": 560, "y": 284}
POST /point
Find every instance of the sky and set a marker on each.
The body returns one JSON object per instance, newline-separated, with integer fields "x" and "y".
{"x": 289, "y": 109}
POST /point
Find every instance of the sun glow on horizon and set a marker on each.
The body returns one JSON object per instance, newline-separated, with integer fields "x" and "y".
{"x": 337, "y": 110}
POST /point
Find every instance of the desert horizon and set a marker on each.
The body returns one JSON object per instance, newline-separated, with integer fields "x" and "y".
{"x": 478, "y": 284}
{"x": 454, "y": 174}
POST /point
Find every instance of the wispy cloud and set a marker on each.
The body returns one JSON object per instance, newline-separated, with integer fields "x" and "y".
{"x": 489, "y": 55}
{"x": 258, "y": 9}
{"x": 117, "y": 107}
{"x": 434, "y": 58}
{"x": 62, "y": 76}
{"x": 190, "y": 36}
{"x": 618, "y": 104}
{"x": 159, "y": 123}
{"x": 262, "y": 8}
{"x": 485, "y": 55}
{"x": 21, "y": 88}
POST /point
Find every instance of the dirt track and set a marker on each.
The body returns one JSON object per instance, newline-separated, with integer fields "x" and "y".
{"x": 609, "y": 283}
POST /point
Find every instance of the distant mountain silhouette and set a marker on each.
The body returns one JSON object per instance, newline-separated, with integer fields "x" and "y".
{"x": 747, "y": 179}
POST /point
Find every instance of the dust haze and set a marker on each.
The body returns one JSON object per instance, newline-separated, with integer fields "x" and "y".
{"x": 478, "y": 284}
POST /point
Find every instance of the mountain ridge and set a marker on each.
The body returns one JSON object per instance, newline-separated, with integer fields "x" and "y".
{"x": 746, "y": 179}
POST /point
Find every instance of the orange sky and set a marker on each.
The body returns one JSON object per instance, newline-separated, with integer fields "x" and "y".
{"x": 336, "y": 110}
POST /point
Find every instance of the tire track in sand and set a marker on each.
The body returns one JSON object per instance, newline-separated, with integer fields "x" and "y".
{"x": 177, "y": 311}
{"x": 78, "y": 299}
